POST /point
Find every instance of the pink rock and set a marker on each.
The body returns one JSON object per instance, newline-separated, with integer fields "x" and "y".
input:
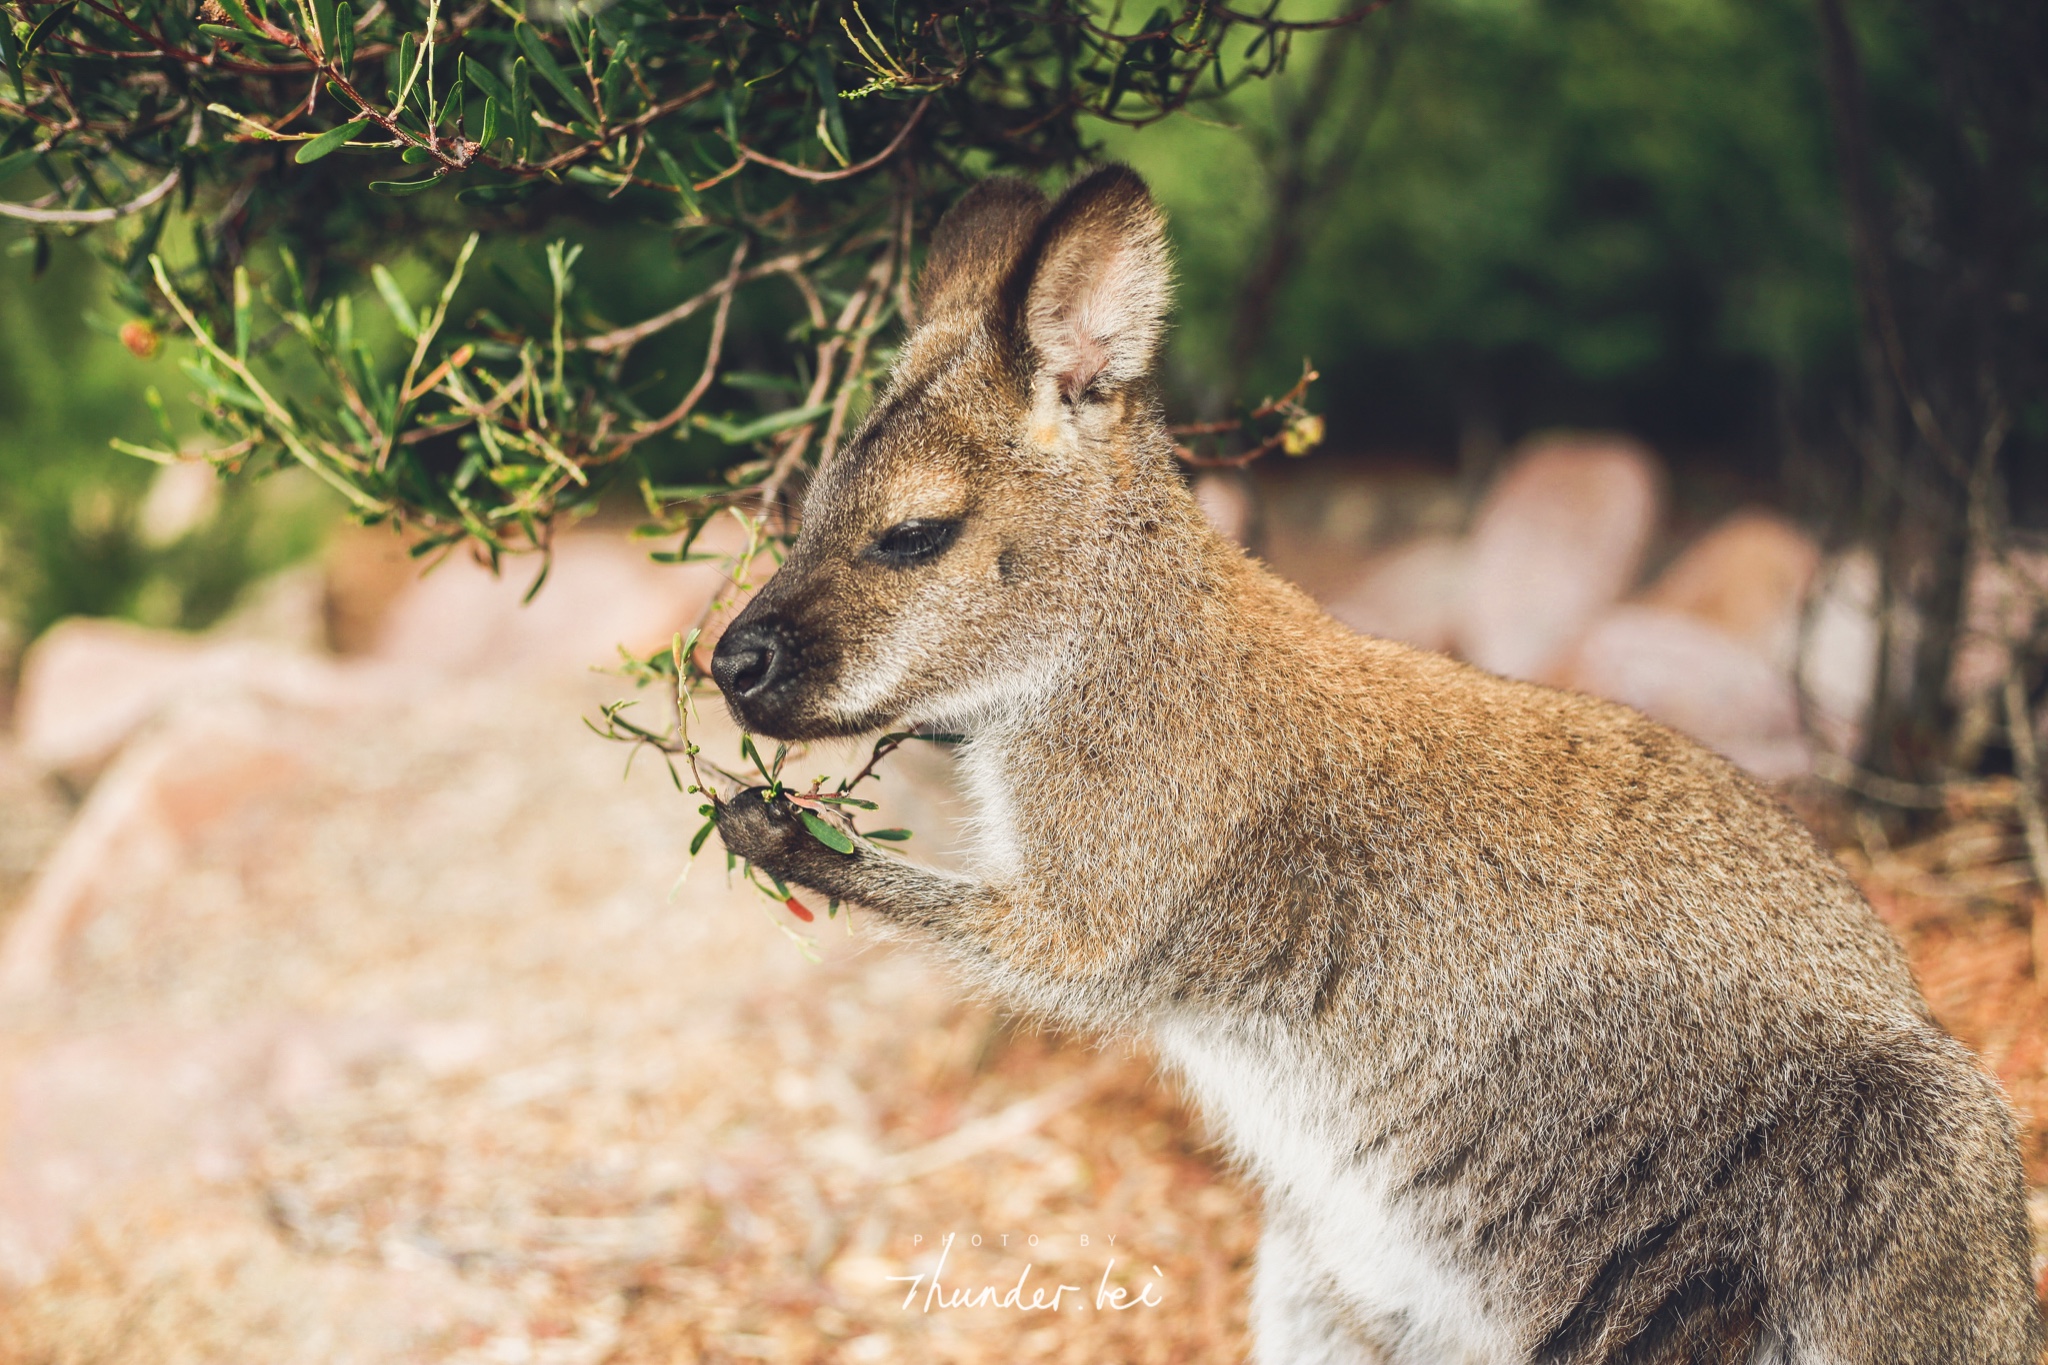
{"x": 1838, "y": 657}
{"x": 2007, "y": 602}
{"x": 602, "y": 592}
{"x": 1699, "y": 680}
{"x": 1227, "y": 503}
{"x": 88, "y": 686}
{"x": 1749, "y": 577}
{"x": 1558, "y": 539}
{"x": 162, "y": 791}
{"x": 1413, "y": 593}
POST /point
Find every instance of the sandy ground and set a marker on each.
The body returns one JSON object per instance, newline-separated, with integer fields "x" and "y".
{"x": 384, "y": 1031}
{"x": 414, "y": 1050}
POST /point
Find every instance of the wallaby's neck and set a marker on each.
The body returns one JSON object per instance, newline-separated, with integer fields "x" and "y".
{"x": 1171, "y": 615}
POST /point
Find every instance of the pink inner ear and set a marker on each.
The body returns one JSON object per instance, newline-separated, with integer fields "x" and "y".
{"x": 1086, "y": 357}
{"x": 1086, "y": 350}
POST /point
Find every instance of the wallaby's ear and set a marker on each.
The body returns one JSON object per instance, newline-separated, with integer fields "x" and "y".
{"x": 1099, "y": 284}
{"x": 977, "y": 245}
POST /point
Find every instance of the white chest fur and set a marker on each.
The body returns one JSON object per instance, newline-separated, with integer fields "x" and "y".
{"x": 1284, "y": 1121}
{"x": 986, "y": 780}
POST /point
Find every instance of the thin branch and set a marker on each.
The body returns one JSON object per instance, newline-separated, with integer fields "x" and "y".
{"x": 626, "y": 337}
{"x": 106, "y": 215}
{"x": 2026, "y": 762}
{"x": 1266, "y": 447}
{"x": 1890, "y": 791}
{"x": 711, "y": 356}
{"x": 1300, "y": 25}
{"x": 858, "y": 168}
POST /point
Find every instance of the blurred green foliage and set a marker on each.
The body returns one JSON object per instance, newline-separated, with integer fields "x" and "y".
{"x": 74, "y": 539}
{"x": 290, "y": 197}
{"x": 1595, "y": 212}
{"x": 1562, "y": 211}
{"x": 251, "y": 164}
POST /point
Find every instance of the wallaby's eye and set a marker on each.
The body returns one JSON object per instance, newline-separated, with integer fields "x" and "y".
{"x": 917, "y": 541}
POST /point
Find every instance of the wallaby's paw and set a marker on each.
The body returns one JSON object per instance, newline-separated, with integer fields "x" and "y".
{"x": 772, "y": 836}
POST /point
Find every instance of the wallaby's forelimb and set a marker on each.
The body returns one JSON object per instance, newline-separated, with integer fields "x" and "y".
{"x": 771, "y": 835}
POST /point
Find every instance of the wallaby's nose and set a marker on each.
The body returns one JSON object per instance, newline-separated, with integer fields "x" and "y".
{"x": 752, "y": 658}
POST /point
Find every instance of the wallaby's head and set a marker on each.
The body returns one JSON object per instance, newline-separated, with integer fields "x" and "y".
{"x": 970, "y": 533}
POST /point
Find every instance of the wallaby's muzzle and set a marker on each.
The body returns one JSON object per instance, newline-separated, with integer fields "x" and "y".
{"x": 756, "y": 662}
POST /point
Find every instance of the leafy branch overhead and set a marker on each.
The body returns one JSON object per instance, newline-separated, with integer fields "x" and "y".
{"x": 258, "y": 169}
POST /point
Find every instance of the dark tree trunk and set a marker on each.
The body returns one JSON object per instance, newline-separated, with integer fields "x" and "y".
{"x": 1946, "y": 217}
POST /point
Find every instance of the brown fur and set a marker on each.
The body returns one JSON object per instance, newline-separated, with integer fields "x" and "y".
{"x": 1588, "y": 1015}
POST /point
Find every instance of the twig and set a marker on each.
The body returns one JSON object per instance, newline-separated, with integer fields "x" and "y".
{"x": 2026, "y": 762}
{"x": 1839, "y": 771}
{"x": 1301, "y": 25}
{"x": 1262, "y": 411}
{"x": 281, "y": 420}
{"x": 407, "y": 391}
{"x": 472, "y": 414}
{"x": 105, "y": 215}
{"x": 996, "y": 1131}
{"x": 1238, "y": 461}
{"x": 1265, "y": 409}
{"x": 858, "y": 168}
{"x": 711, "y": 356}
{"x": 875, "y": 288}
{"x": 625, "y": 337}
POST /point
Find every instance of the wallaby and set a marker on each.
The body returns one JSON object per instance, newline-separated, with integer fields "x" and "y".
{"x": 1547, "y": 1035}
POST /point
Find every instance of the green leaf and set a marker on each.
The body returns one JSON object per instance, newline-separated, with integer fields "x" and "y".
{"x": 40, "y": 34}
{"x": 242, "y": 305}
{"x": 155, "y": 402}
{"x": 761, "y": 379}
{"x": 614, "y": 78}
{"x": 14, "y": 162}
{"x": 394, "y": 299}
{"x": 746, "y": 433}
{"x": 833, "y": 127}
{"x": 489, "y": 133}
{"x": 343, "y": 52}
{"x": 451, "y": 104}
{"x": 894, "y": 836}
{"x": 143, "y": 452}
{"x": 487, "y": 81}
{"x": 536, "y": 52}
{"x": 408, "y": 60}
{"x": 238, "y": 12}
{"x": 225, "y": 391}
{"x": 522, "y": 110}
{"x": 685, "y": 191}
{"x": 493, "y": 196}
{"x": 11, "y": 58}
{"x": 401, "y": 188}
{"x": 328, "y": 141}
{"x": 826, "y": 833}
{"x": 702, "y": 834}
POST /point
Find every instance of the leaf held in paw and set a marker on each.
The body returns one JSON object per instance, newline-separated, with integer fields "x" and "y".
{"x": 826, "y": 833}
